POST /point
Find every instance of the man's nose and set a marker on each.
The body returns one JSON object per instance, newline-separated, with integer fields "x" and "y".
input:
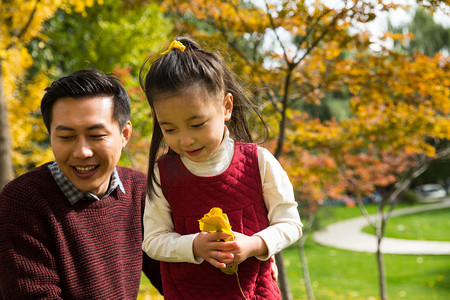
{"x": 83, "y": 149}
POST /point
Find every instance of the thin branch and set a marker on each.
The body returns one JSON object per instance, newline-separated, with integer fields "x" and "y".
{"x": 322, "y": 35}
{"x": 24, "y": 28}
{"x": 273, "y": 99}
{"x": 311, "y": 28}
{"x": 272, "y": 23}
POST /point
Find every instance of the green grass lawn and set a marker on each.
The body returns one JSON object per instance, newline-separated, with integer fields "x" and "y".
{"x": 339, "y": 274}
{"x": 147, "y": 291}
{"x": 427, "y": 225}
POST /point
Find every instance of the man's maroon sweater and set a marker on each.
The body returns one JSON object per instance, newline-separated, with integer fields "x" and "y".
{"x": 50, "y": 249}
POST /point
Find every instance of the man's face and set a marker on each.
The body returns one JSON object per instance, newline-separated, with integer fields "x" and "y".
{"x": 86, "y": 141}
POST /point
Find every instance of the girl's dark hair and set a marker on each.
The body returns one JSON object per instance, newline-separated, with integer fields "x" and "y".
{"x": 172, "y": 72}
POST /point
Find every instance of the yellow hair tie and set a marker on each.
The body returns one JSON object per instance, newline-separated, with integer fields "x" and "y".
{"x": 174, "y": 45}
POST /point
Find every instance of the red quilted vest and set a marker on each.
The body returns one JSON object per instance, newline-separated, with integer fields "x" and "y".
{"x": 238, "y": 191}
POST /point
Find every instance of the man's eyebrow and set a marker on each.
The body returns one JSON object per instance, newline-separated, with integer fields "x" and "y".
{"x": 97, "y": 126}
{"x": 62, "y": 127}
{"x": 67, "y": 128}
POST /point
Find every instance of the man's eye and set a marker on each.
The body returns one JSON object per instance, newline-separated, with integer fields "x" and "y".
{"x": 65, "y": 137}
{"x": 97, "y": 137}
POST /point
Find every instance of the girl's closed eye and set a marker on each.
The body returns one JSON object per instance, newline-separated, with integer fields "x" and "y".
{"x": 168, "y": 130}
{"x": 199, "y": 125}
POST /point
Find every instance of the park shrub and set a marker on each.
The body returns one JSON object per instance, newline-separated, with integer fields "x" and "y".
{"x": 409, "y": 197}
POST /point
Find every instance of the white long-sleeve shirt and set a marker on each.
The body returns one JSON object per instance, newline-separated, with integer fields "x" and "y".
{"x": 161, "y": 242}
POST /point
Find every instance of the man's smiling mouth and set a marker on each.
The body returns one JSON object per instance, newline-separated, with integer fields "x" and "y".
{"x": 84, "y": 170}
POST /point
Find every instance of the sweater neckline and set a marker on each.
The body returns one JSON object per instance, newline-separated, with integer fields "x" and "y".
{"x": 205, "y": 178}
{"x": 218, "y": 163}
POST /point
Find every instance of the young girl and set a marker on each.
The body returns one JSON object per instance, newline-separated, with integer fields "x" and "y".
{"x": 199, "y": 110}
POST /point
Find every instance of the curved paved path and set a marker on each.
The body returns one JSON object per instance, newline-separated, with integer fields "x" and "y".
{"x": 347, "y": 235}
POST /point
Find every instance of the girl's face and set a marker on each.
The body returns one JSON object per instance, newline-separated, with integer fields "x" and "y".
{"x": 193, "y": 121}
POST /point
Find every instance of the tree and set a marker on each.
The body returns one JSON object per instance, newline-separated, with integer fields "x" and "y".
{"x": 398, "y": 126}
{"x": 426, "y": 35}
{"x": 6, "y": 171}
{"x": 293, "y": 53}
{"x": 20, "y": 22}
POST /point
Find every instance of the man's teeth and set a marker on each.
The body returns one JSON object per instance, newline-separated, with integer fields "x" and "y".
{"x": 85, "y": 169}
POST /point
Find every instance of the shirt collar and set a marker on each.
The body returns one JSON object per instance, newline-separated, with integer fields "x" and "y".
{"x": 73, "y": 194}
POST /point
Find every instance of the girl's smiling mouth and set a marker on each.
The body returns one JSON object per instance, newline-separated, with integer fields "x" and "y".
{"x": 194, "y": 152}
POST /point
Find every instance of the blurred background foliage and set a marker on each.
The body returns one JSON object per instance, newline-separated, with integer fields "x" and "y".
{"x": 350, "y": 112}
{"x": 107, "y": 36}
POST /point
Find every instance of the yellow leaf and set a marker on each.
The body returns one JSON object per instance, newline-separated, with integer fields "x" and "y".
{"x": 217, "y": 221}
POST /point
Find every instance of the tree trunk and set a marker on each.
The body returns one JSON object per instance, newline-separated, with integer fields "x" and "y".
{"x": 282, "y": 278}
{"x": 282, "y": 124}
{"x": 381, "y": 271}
{"x": 6, "y": 166}
{"x": 392, "y": 199}
{"x": 304, "y": 261}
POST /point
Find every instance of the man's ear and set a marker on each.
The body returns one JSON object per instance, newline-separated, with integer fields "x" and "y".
{"x": 228, "y": 106}
{"x": 126, "y": 133}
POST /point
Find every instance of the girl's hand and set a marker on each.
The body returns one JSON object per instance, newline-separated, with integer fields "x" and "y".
{"x": 245, "y": 247}
{"x": 274, "y": 268}
{"x": 217, "y": 253}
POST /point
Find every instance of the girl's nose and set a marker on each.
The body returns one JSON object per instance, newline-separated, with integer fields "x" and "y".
{"x": 82, "y": 149}
{"x": 186, "y": 140}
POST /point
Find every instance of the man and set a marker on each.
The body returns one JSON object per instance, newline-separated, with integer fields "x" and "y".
{"x": 72, "y": 229}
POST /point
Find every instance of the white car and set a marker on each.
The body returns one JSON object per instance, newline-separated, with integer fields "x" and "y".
{"x": 431, "y": 191}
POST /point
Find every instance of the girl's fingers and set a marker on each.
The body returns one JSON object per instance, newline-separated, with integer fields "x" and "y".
{"x": 226, "y": 246}
{"x": 219, "y": 236}
{"x": 223, "y": 256}
{"x": 216, "y": 263}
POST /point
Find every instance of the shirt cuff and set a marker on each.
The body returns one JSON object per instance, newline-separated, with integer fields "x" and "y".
{"x": 272, "y": 249}
{"x": 186, "y": 248}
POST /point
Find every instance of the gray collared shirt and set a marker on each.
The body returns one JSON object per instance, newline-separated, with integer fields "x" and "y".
{"x": 73, "y": 194}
